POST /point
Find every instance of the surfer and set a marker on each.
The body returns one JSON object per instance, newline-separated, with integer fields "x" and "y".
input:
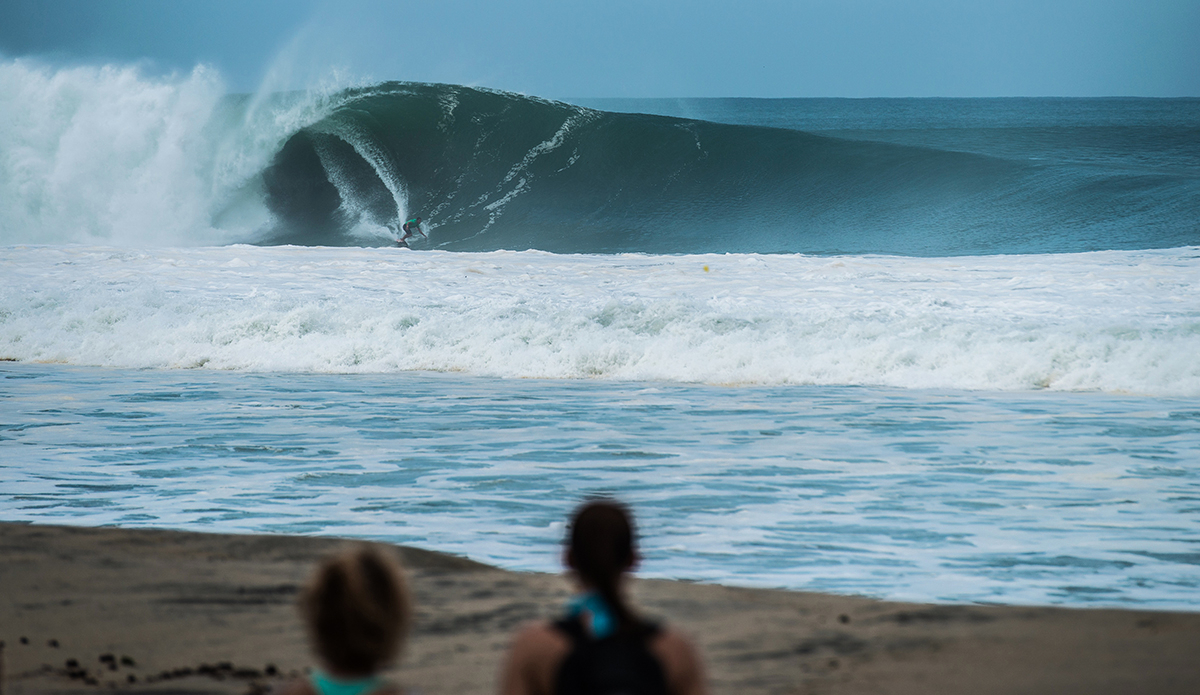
{"x": 413, "y": 225}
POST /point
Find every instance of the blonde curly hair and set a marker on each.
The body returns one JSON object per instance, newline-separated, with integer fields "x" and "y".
{"x": 358, "y": 610}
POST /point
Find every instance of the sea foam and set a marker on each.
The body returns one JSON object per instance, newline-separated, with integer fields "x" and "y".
{"x": 1116, "y": 321}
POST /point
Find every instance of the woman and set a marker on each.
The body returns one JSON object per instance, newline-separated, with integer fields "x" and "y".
{"x": 600, "y": 645}
{"x": 358, "y": 614}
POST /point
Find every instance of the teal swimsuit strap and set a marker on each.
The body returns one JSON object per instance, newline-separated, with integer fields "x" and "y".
{"x": 604, "y": 621}
{"x": 326, "y": 684}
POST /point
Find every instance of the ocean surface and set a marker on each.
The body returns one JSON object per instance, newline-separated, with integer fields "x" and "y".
{"x": 923, "y": 349}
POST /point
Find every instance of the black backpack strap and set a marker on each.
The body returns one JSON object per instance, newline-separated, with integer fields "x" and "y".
{"x": 573, "y": 628}
{"x": 616, "y": 664}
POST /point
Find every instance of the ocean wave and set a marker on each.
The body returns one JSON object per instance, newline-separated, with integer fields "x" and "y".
{"x": 108, "y": 155}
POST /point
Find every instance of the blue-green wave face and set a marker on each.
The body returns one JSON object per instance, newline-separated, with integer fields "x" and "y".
{"x": 489, "y": 170}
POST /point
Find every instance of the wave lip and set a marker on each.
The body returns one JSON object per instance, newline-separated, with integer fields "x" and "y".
{"x": 1106, "y": 321}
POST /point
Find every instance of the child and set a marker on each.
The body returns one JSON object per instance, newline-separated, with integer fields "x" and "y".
{"x": 358, "y": 613}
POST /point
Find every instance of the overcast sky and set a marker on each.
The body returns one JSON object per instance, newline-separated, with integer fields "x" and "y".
{"x": 644, "y": 48}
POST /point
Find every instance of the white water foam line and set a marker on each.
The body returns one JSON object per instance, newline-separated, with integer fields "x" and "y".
{"x": 1107, "y": 321}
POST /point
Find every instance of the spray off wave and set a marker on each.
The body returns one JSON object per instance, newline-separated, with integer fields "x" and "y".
{"x": 105, "y": 154}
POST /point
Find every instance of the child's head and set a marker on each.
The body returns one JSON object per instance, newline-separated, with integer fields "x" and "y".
{"x": 358, "y": 611}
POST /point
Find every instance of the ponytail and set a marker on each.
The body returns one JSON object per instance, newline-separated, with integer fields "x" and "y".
{"x": 601, "y": 547}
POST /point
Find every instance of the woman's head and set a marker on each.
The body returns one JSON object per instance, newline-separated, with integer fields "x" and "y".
{"x": 601, "y": 543}
{"x": 358, "y": 611}
{"x": 601, "y": 546}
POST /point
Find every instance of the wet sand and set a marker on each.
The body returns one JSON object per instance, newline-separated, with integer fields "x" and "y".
{"x": 86, "y": 610}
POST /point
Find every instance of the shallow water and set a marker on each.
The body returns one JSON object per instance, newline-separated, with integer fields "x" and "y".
{"x": 1063, "y": 498}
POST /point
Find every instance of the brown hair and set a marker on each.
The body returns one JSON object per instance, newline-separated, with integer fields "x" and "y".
{"x": 358, "y": 610}
{"x": 601, "y": 546}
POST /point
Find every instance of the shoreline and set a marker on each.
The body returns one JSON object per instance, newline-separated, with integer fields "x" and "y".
{"x": 157, "y": 612}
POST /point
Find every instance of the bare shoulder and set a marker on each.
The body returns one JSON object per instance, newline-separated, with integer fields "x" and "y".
{"x": 542, "y": 638}
{"x": 536, "y": 651}
{"x": 682, "y": 663}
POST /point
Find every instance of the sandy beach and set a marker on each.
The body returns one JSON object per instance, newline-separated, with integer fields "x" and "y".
{"x": 147, "y": 611}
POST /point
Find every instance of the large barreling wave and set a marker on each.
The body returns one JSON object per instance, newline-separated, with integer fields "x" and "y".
{"x": 108, "y": 155}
